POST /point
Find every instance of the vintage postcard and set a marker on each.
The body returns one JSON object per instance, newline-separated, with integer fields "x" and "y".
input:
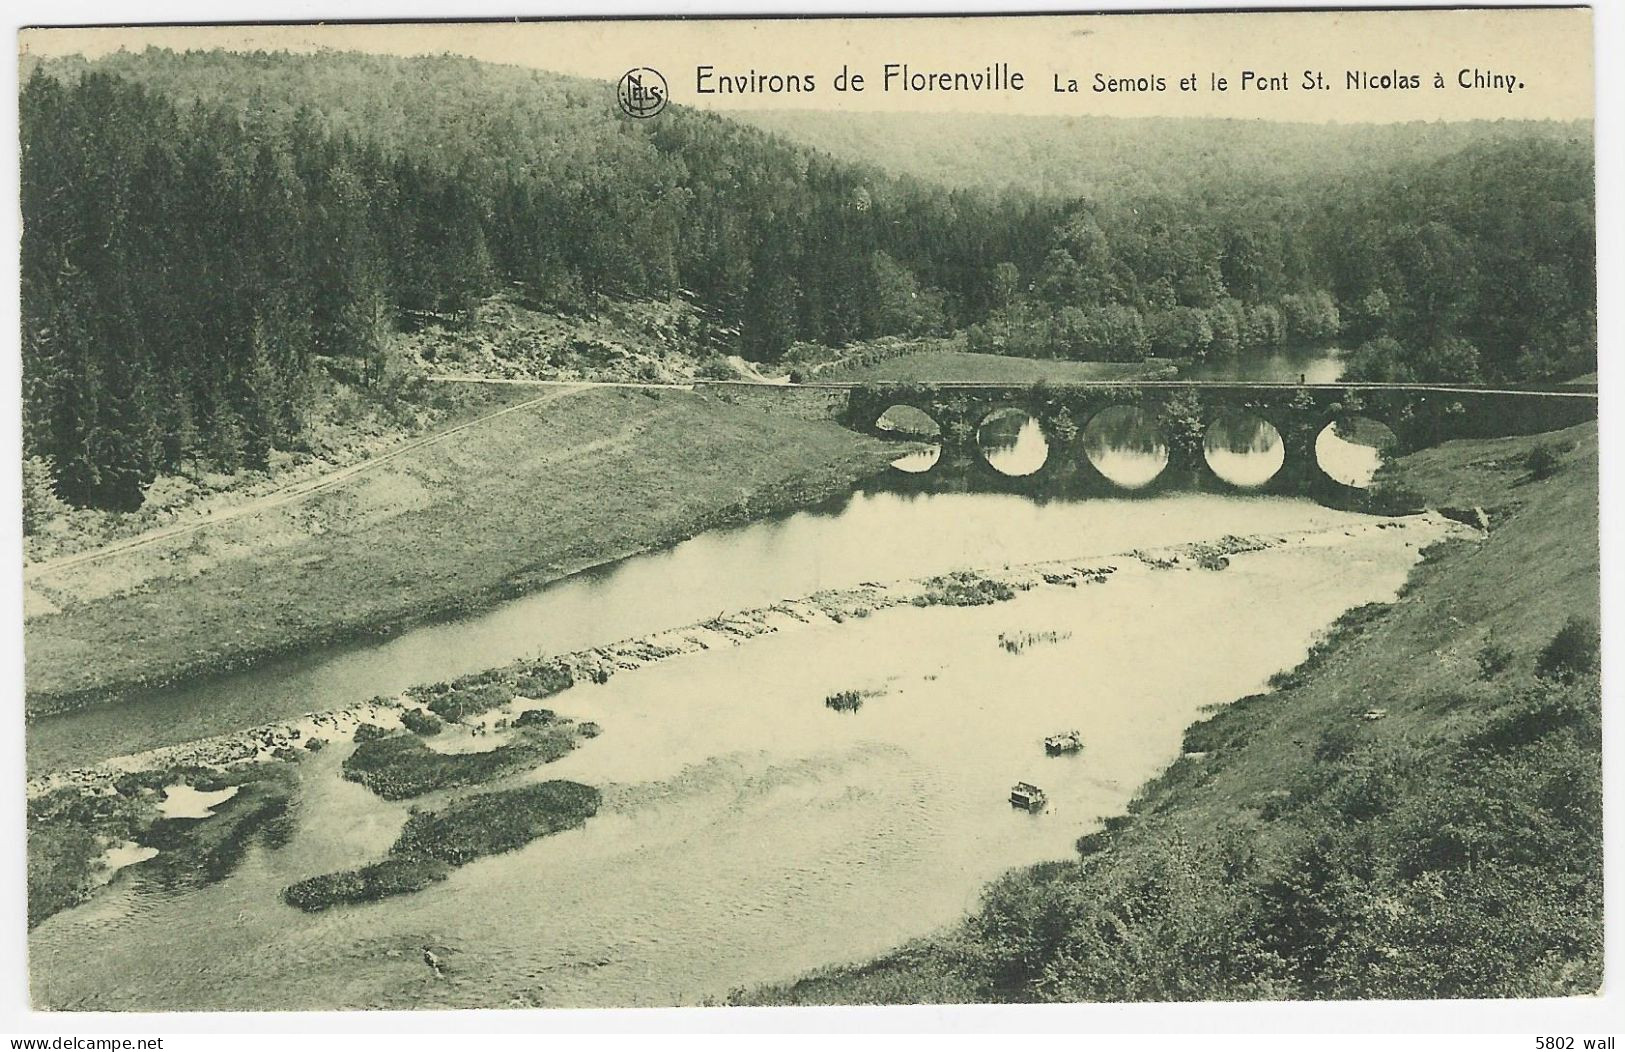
{"x": 681, "y": 512}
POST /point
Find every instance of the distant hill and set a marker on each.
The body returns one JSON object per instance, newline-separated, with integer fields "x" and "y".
{"x": 1104, "y": 157}
{"x": 442, "y": 110}
{"x": 541, "y": 122}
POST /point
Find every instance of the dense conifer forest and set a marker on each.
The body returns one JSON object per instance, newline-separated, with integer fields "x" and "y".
{"x": 205, "y": 234}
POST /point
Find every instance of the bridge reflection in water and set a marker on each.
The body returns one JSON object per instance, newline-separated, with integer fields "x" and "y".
{"x": 1012, "y": 442}
{"x": 1125, "y": 445}
{"x": 1243, "y": 449}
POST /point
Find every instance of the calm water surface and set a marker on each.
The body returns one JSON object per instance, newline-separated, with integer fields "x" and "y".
{"x": 1352, "y": 450}
{"x": 748, "y": 832}
{"x": 1013, "y": 442}
{"x": 1126, "y": 445}
{"x": 1315, "y": 366}
{"x": 876, "y": 536}
{"x": 1243, "y": 449}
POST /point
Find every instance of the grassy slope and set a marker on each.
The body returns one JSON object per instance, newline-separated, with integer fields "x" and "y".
{"x": 345, "y": 427}
{"x": 1451, "y": 848}
{"x": 964, "y": 366}
{"x": 584, "y": 478}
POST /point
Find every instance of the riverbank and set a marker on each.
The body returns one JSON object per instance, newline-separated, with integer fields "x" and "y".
{"x": 353, "y": 426}
{"x": 1415, "y": 811}
{"x": 581, "y": 479}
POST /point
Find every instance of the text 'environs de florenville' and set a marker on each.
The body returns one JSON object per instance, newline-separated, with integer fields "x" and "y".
{"x": 1002, "y": 77}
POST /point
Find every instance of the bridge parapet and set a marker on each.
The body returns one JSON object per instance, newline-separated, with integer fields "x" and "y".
{"x": 1420, "y": 415}
{"x": 1183, "y": 412}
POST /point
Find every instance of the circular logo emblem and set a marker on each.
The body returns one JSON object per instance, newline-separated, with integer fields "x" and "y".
{"x": 642, "y": 93}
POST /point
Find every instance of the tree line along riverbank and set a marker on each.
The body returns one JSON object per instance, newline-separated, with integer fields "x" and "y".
{"x": 1414, "y": 811}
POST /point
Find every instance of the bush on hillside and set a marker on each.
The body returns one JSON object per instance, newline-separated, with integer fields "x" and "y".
{"x": 716, "y": 368}
{"x": 1544, "y": 461}
{"x": 1493, "y": 658}
{"x": 1573, "y": 652}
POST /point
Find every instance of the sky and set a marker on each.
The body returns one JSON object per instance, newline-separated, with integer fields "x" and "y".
{"x": 1546, "y": 53}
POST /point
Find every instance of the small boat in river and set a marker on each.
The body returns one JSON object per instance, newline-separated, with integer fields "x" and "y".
{"x": 1056, "y": 744}
{"x": 1028, "y": 797}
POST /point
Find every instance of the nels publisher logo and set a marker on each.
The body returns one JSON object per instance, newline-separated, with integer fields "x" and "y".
{"x": 642, "y": 92}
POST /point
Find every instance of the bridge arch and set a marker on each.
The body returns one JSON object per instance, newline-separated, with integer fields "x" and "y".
{"x": 1012, "y": 442}
{"x": 908, "y": 421}
{"x": 1243, "y": 448}
{"x": 1126, "y": 445}
{"x": 1352, "y": 447}
{"x": 901, "y": 420}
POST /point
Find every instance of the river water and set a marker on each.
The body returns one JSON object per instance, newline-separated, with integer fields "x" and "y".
{"x": 861, "y": 537}
{"x": 1308, "y": 365}
{"x": 748, "y": 832}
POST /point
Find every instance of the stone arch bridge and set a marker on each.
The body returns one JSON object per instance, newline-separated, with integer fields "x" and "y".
{"x": 1182, "y": 414}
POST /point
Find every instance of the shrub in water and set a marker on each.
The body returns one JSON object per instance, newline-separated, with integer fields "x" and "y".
{"x": 420, "y": 722}
{"x": 489, "y": 823}
{"x": 402, "y": 766}
{"x": 544, "y": 681}
{"x": 393, "y": 876}
{"x": 1016, "y": 642}
{"x": 461, "y": 702}
{"x": 844, "y": 701}
{"x": 433, "y": 842}
{"x": 964, "y": 589}
{"x": 367, "y": 732}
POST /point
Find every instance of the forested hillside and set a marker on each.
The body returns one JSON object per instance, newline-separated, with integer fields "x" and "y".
{"x": 206, "y": 234}
{"x": 1112, "y": 157}
{"x": 1479, "y": 265}
{"x": 201, "y": 230}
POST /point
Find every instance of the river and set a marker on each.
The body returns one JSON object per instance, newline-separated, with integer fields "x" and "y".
{"x": 1308, "y": 365}
{"x": 748, "y": 832}
{"x": 868, "y": 535}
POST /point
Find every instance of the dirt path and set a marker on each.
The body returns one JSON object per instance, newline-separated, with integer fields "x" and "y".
{"x": 297, "y": 491}
{"x": 508, "y": 381}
